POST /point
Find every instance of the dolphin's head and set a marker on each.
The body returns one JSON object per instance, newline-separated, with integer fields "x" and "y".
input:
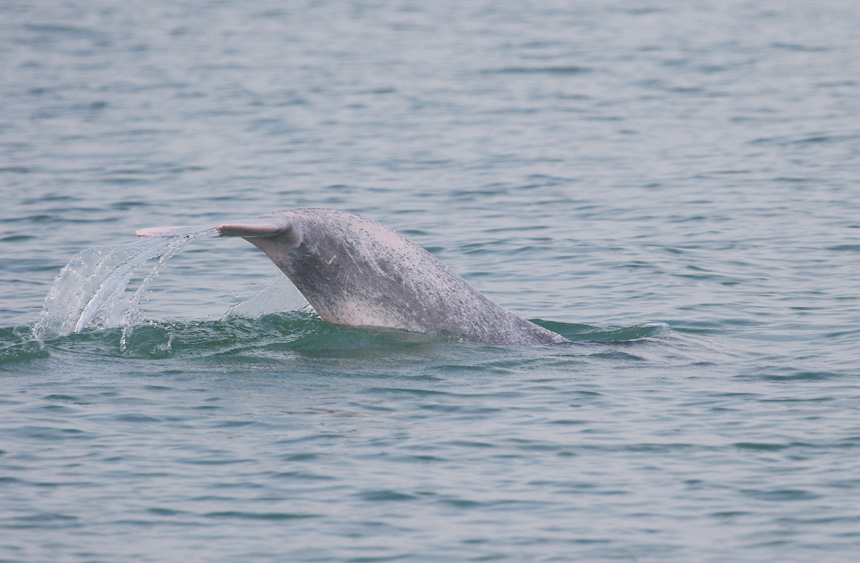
{"x": 277, "y": 234}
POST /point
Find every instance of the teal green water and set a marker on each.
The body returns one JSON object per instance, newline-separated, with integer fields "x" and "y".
{"x": 672, "y": 186}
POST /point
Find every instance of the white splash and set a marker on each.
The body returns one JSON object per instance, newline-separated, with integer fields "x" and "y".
{"x": 91, "y": 291}
{"x": 279, "y": 297}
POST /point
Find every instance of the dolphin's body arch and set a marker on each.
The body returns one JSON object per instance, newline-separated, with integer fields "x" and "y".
{"x": 354, "y": 271}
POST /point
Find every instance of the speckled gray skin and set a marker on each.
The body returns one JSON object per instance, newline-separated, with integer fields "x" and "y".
{"x": 356, "y": 272}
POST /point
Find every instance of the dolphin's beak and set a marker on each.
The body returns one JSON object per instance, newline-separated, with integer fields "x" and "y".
{"x": 253, "y": 227}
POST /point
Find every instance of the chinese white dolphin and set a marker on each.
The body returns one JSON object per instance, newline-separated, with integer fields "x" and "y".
{"x": 354, "y": 271}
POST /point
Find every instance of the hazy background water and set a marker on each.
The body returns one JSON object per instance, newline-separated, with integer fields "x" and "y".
{"x": 597, "y": 165}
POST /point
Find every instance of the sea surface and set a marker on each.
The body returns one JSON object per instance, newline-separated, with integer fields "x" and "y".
{"x": 672, "y": 185}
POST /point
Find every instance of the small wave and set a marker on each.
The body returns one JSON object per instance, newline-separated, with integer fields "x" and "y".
{"x": 275, "y": 336}
{"x": 20, "y": 344}
{"x": 563, "y": 70}
{"x": 588, "y": 333}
